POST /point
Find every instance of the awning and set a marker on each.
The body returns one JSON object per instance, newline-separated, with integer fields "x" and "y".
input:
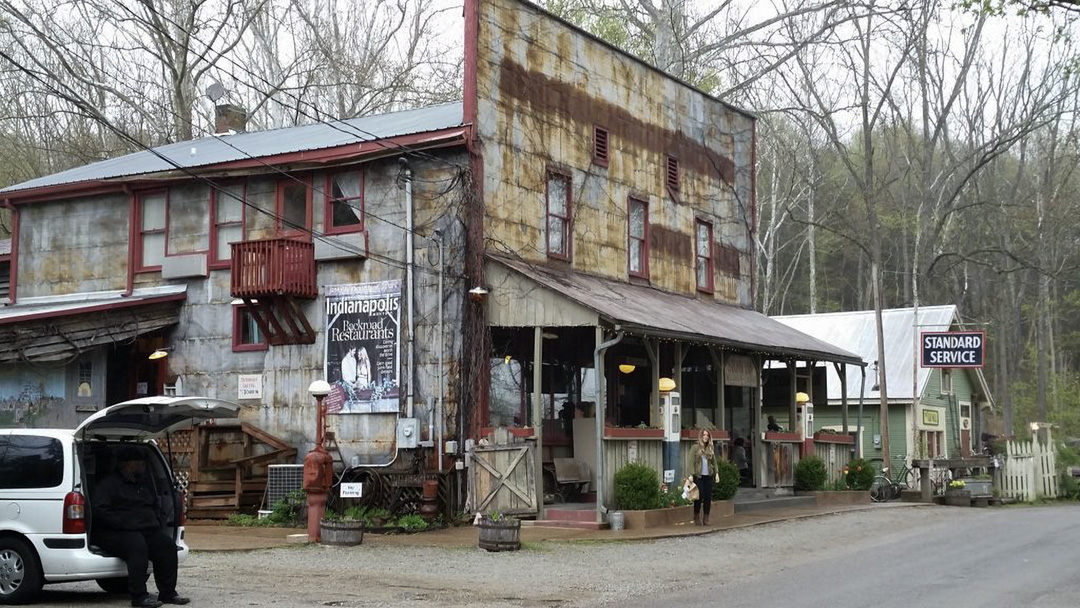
{"x": 55, "y": 328}
{"x": 647, "y": 311}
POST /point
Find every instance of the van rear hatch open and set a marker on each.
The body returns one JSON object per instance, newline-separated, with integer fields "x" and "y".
{"x": 151, "y": 417}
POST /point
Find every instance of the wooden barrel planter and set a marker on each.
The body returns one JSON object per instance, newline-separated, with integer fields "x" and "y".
{"x": 500, "y": 535}
{"x": 341, "y": 533}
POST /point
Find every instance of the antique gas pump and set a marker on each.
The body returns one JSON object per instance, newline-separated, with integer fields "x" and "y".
{"x": 804, "y": 421}
{"x": 671, "y": 412}
{"x": 318, "y": 465}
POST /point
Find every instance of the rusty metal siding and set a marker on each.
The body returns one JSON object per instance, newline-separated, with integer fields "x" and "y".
{"x": 73, "y": 246}
{"x": 542, "y": 86}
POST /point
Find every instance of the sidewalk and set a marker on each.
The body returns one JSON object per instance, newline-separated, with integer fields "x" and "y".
{"x": 219, "y": 537}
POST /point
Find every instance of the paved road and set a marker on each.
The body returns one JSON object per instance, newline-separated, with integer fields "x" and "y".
{"x": 880, "y": 557}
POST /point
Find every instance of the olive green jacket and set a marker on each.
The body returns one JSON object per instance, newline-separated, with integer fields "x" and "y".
{"x": 693, "y": 465}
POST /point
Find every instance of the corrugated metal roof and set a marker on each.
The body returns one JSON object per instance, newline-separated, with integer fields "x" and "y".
{"x": 651, "y": 311}
{"x": 856, "y": 332}
{"x": 260, "y": 144}
{"x": 69, "y": 304}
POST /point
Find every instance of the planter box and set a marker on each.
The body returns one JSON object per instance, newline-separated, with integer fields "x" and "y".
{"x": 958, "y": 498}
{"x": 658, "y": 518}
{"x": 978, "y": 487}
{"x": 829, "y": 498}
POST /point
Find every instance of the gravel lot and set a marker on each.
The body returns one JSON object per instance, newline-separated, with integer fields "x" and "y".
{"x": 544, "y": 574}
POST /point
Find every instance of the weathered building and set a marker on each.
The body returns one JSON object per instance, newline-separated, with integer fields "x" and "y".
{"x": 539, "y": 255}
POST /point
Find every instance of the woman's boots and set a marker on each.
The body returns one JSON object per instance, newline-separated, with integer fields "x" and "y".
{"x": 697, "y": 519}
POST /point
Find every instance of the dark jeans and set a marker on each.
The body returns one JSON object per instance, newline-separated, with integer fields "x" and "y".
{"x": 139, "y": 548}
{"x": 705, "y": 485}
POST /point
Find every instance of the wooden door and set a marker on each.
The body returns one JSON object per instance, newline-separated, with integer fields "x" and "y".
{"x": 502, "y": 478}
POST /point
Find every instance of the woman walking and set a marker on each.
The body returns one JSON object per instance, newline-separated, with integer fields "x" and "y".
{"x": 703, "y": 470}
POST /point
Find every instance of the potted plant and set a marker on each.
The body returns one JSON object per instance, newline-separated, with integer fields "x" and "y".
{"x": 957, "y": 494}
{"x": 498, "y": 532}
{"x": 342, "y": 529}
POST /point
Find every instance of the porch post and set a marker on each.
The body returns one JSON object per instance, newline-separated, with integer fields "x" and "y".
{"x": 654, "y": 394}
{"x": 538, "y": 417}
{"x": 718, "y": 367}
{"x": 793, "y": 417}
{"x": 841, "y": 370}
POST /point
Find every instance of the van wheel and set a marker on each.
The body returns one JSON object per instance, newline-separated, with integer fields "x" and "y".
{"x": 20, "y": 575}
{"x": 113, "y": 585}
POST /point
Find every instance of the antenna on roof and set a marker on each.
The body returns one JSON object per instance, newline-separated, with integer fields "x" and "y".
{"x": 215, "y": 91}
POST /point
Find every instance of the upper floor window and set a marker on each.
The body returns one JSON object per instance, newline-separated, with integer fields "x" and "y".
{"x": 227, "y": 226}
{"x": 600, "y": 146}
{"x": 671, "y": 173}
{"x": 703, "y": 255}
{"x": 5, "y": 277}
{"x": 151, "y": 218}
{"x": 345, "y": 202}
{"x": 637, "y": 239}
{"x": 246, "y": 332}
{"x": 558, "y": 215}
{"x": 293, "y": 207}
{"x": 946, "y": 382}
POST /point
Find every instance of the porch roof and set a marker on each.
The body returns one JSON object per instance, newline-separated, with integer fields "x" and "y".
{"x": 53, "y": 328}
{"x": 648, "y": 311}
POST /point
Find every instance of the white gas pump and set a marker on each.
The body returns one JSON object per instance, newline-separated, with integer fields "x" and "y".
{"x": 671, "y": 412}
{"x": 804, "y": 415}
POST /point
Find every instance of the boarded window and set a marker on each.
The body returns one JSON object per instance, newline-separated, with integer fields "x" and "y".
{"x": 558, "y": 215}
{"x": 728, "y": 259}
{"x": 637, "y": 242}
{"x": 293, "y": 207}
{"x": 228, "y": 225}
{"x": 703, "y": 254}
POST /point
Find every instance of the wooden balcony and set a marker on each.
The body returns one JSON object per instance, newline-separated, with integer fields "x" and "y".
{"x": 274, "y": 267}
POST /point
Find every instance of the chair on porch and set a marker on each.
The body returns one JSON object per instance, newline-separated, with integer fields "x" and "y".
{"x": 571, "y": 478}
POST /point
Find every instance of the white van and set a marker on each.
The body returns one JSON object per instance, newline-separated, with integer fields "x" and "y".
{"x": 47, "y": 477}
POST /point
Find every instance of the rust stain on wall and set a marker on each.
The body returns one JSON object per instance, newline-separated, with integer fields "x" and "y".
{"x": 671, "y": 243}
{"x": 546, "y": 94}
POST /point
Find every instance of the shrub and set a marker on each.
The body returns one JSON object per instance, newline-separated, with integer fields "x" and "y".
{"x": 810, "y": 474}
{"x": 729, "y": 480}
{"x": 859, "y": 474}
{"x": 637, "y": 486}
{"x": 412, "y": 522}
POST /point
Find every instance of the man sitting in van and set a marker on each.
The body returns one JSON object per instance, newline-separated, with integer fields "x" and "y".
{"x": 128, "y": 522}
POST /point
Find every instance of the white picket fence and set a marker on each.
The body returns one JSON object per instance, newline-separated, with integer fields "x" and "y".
{"x": 1028, "y": 471}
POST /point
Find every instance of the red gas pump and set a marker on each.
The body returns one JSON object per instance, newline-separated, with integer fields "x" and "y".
{"x": 318, "y": 465}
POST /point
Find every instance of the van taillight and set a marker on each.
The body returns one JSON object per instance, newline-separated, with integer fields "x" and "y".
{"x": 74, "y": 513}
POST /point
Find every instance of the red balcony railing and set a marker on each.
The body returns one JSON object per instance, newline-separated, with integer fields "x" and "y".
{"x": 279, "y": 266}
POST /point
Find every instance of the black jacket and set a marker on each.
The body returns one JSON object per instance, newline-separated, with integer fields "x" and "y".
{"x": 118, "y": 504}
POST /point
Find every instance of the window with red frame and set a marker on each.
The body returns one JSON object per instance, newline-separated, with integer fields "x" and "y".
{"x": 558, "y": 215}
{"x": 228, "y": 221}
{"x": 293, "y": 207}
{"x": 151, "y": 219}
{"x": 703, "y": 253}
{"x": 637, "y": 241}
{"x": 345, "y": 202}
{"x": 5, "y": 277}
{"x": 246, "y": 332}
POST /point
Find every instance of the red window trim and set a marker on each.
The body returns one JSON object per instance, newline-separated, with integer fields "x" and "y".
{"x": 644, "y": 273}
{"x": 568, "y": 219}
{"x": 279, "y": 208}
{"x": 710, "y": 286}
{"x": 601, "y": 153}
{"x": 672, "y": 174}
{"x": 216, "y": 261}
{"x": 328, "y": 204}
{"x": 237, "y": 331}
{"x": 140, "y": 233}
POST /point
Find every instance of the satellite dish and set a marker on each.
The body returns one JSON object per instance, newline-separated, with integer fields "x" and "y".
{"x": 215, "y": 91}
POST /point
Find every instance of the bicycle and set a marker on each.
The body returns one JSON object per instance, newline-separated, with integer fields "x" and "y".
{"x": 884, "y": 488}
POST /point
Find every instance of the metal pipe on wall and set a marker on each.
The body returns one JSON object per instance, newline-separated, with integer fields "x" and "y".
{"x": 410, "y": 365}
{"x": 598, "y": 358}
{"x": 442, "y": 362}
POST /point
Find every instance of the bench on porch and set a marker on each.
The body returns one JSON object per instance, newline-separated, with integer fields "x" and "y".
{"x": 572, "y": 478}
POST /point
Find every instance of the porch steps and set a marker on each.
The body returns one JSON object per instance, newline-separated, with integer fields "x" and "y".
{"x": 578, "y": 515}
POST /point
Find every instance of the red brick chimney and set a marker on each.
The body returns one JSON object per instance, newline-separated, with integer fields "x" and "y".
{"x": 229, "y": 117}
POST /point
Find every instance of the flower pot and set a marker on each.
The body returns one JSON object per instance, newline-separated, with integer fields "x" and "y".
{"x": 958, "y": 498}
{"x": 499, "y": 535}
{"x": 341, "y": 533}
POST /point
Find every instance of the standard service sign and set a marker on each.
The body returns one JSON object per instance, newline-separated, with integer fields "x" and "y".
{"x": 953, "y": 348}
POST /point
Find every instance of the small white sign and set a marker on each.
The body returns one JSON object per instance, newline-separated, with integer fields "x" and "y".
{"x": 669, "y": 475}
{"x": 249, "y": 386}
{"x": 140, "y": 388}
{"x": 352, "y": 490}
{"x": 631, "y": 450}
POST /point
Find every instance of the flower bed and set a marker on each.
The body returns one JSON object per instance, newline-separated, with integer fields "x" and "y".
{"x": 672, "y": 516}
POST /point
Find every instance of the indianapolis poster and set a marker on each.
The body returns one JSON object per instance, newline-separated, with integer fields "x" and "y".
{"x": 363, "y": 347}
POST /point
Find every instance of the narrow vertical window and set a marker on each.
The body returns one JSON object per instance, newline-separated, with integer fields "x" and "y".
{"x": 228, "y": 221}
{"x": 558, "y": 215}
{"x": 637, "y": 244}
{"x": 246, "y": 332}
{"x": 345, "y": 202}
{"x": 5, "y": 270}
{"x": 671, "y": 173}
{"x": 152, "y": 234}
{"x": 946, "y": 381}
{"x": 703, "y": 253}
{"x": 600, "y": 146}
{"x": 293, "y": 207}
